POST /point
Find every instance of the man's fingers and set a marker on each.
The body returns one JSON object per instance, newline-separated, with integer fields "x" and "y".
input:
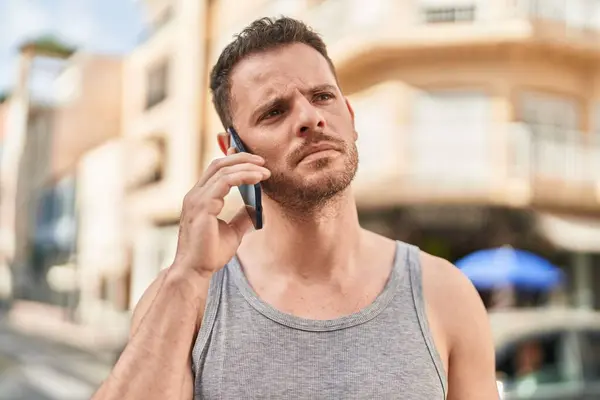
{"x": 230, "y": 159}
{"x": 233, "y": 169}
{"x": 222, "y": 186}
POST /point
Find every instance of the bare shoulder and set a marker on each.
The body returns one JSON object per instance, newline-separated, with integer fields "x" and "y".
{"x": 461, "y": 329}
{"x": 451, "y": 296}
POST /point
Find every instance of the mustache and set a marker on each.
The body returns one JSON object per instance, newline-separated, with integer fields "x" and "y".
{"x": 299, "y": 153}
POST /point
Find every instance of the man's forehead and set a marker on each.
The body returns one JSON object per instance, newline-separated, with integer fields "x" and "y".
{"x": 277, "y": 71}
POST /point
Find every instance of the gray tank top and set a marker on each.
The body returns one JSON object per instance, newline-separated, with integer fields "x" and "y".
{"x": 247, "y": 349}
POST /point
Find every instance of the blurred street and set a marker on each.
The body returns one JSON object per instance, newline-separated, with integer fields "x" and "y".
{"x": 33, "y": 368}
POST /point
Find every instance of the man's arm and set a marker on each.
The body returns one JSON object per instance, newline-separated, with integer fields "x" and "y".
{"x": 156, "y": 364}
{"x": 463, "y": 320}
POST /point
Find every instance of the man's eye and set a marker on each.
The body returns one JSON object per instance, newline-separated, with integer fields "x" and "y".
{"x": 323, "y": 97}
{"x": 272, "y": 113}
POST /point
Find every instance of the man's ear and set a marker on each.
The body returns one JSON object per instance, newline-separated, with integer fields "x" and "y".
{"x": 224, "y": 141}
{"x": 351, "y": 110}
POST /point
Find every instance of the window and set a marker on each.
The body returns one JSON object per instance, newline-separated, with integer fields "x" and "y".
{"x": 596, "y": 119}
{"x": 537, "y": 364}
{"x": 147, "y": 162}
{"x": 538, "y": 108}
{"x": 583, "y": 14}
{"x": 158, "y": 82}
{"x": 164, "y": 18}
{"x": 455, "y": 14}
{"x": 557, "y": 145}
{"x": 590, "y": 351}
{"x": 449, "y": 142}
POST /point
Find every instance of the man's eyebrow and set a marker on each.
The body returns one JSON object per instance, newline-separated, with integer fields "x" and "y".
{"x": 281, "y": 100}
{"x": 272, "y": 103}
{"x": 322, "y": 88}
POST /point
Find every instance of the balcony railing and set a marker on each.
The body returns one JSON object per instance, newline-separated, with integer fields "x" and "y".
{"x": 583, "y": 14}
{"x": 554, "y": 154}
{"x": 336, "y": 19}
{"x": 516, "y": 163}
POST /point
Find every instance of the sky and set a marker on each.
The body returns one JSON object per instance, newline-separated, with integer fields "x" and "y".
{"x": 99, "y": 26}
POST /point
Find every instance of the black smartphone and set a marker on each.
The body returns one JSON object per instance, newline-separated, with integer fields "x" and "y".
{"x": 251, "y": 194}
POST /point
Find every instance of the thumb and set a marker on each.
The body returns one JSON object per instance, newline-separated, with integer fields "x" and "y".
{"x": 241, "y": 223}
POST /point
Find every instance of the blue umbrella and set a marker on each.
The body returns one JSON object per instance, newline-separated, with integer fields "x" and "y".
{"x": 506, "y": 266}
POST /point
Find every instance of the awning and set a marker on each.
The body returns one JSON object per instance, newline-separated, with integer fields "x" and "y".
{"x": 579, "y": 234}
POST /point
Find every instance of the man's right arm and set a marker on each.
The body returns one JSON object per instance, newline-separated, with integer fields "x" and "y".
{"x": 156, "y": 364}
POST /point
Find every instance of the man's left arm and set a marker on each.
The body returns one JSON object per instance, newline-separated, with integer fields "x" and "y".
{"x": 466, "y": 330}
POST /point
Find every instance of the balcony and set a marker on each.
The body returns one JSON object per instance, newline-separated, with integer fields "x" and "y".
{"x": 421, "y": 25}
{"x": 515, "y": 165}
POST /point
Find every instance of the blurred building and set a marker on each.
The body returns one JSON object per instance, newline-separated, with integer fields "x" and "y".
{"x": 86, "y": 149}
{"x": 478, "y": 120}
{"x": 24, "y": 171}
{"x": 162, "y": 113}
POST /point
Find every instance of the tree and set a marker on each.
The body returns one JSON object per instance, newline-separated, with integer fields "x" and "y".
{"x": 48, "y": 46}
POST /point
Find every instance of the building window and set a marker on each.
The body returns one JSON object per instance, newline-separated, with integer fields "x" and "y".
{"x": 163, "y": 19}
{"x": 558, "y": 149}
{"x": 450, "y": 141}
{"x": 557, "y": 114}
{"x": 147, "y": 162}
{"x": 158, "y": 83}
{"x": 449, "y": 14}
{"x": 596, "y": 120}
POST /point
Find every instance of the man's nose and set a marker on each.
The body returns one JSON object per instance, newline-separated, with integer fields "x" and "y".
{"x": 310, "y": 119}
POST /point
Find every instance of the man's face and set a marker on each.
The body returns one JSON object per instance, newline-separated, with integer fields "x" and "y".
{"x": 287, "y": 108}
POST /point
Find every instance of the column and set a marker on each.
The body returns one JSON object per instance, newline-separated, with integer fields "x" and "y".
{"x": 583, "y": 289}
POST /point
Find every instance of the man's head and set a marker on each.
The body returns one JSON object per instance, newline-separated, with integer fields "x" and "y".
{"x": 277, "y": 86}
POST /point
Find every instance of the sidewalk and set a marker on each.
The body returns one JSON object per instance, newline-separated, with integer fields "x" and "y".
{"x": 35, "y": 368}
{"x": 49, "y": 323}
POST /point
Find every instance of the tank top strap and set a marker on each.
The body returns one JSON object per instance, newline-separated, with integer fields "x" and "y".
{"x": 415, "y": 271}
{"x": 210, "y": 315}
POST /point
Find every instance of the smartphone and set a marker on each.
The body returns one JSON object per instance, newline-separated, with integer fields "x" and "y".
{"x": 251, "y": 194}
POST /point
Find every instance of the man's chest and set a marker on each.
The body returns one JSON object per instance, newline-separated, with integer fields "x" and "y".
{"x": 290, "y": 364}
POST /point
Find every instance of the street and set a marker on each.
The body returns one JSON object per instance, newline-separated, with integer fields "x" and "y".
{"x": 36, "y": 369}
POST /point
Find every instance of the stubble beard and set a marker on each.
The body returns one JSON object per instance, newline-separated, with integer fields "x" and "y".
{"x": 301, "y": 199}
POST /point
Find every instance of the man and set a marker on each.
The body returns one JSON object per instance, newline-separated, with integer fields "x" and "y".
{"x": 311, "y": 306}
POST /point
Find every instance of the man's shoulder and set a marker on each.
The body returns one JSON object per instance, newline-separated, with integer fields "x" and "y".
{"x": 449, "y": 294}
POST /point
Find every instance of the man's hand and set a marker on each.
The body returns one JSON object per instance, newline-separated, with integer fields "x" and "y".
{"x": 206, "y": 243}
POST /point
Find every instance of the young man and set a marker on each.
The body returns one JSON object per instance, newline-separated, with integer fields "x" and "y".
{"x": 311, "y": 306}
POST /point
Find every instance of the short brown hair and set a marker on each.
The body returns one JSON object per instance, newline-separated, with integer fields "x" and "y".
{"x": 261, "y": 35}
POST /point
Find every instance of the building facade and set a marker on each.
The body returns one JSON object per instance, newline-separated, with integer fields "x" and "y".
{"x": 478, "y": 123}
{"x": 477, "y": 120}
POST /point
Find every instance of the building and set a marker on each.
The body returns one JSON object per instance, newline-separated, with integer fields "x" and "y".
{"x": 478, "y": 120}
{"x": 86, "y": 193}
{"x": 162, "y": 114}
{"x": 24, "y": 170}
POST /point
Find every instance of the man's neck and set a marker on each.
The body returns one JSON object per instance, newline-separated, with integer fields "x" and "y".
{"x": 319, "y": 246}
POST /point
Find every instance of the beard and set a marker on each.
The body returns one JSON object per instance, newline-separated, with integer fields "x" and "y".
{"x": 300, "y": 194}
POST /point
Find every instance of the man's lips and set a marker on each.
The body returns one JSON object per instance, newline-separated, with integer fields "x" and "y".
{"x": 317, "y": 148}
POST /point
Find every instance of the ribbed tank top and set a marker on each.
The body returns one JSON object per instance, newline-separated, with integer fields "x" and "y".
{"x": 247, "y": 349}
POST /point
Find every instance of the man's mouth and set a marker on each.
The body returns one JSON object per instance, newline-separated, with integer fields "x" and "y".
{"x": 318, "y": 150}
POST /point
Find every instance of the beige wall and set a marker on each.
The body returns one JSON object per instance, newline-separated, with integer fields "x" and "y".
{"x": 3, "y": 116}
{"x": 176, "y": 118}
{"x": 102, "y": 241}
{"x": 387, "y": 56}
{"x": 90, "y": 108}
